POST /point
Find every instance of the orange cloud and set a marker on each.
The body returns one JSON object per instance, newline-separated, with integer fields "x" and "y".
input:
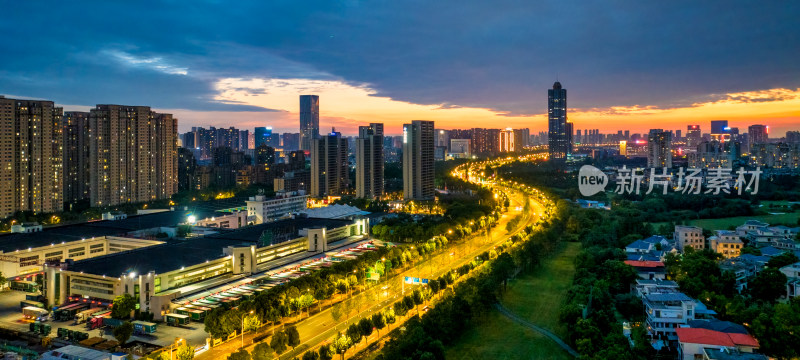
{"x": 345, "y": 106}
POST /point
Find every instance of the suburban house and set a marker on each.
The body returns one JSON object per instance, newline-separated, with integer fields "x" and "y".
{"x": 726, "y": 242}
{"x": 671, "y": 310}
{"x": 648, "y": 269}
{"x": 694, "y": 342}
{"x": 792, "y": 273}
{"x": 648, "y": 286}
{"x": 689, "y": 236}
{"x": 745, "y": 267}
{"x": 654, "y": 248}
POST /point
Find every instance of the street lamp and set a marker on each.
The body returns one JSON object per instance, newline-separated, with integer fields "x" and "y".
{"x": 243, "y": 316}
{"x": 177, "y": 341}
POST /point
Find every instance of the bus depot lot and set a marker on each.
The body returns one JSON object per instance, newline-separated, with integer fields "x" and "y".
{"x": 11, "y": 314}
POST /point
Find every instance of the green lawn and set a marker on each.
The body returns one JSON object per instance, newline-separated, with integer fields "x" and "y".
{"x": 536, "y": 297}
{"x": 725, "y": 223}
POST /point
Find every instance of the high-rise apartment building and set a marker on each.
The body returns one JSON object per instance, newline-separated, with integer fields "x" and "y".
{"x": 30, "y": 156}
{"x": 76, "y": 156}
{"x": 330, "y": 173}
{"x": 559, "y": 130}
{"x": 418, "y": 147}
{"x": 757, "y": 134}
{"x": 132, "y": 155}
{"x": 522, "y": 138}
{"x": 659, "y": 148}
{"x": 693, "y": 136}
{"x": 507, "y": 140}
{"x": 369, "y": 161}
{"x": 309, "y": 120}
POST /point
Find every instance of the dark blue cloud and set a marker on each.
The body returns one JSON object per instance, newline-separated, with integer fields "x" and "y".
{"x": 496, "y": 54}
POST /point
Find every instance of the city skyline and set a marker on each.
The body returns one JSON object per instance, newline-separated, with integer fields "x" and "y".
{"x": 367, "y": 66}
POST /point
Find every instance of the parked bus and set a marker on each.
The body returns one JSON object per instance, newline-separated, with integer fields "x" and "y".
{"x": 177, "y": 319}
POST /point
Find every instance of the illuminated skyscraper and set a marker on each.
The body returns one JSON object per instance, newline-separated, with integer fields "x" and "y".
{"x": 133, "y": 155}
{"x": 559, "y": 130}
{"x": 330, "y": 173}
{"x": 309, "y": 120}
{"x": 659, "y": 148}
{"x": 693, "y": 136}
{"x": 30, "y": 156}
{"x": 757, "y": 134}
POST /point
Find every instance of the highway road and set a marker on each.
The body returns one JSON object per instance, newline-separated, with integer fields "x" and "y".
{"x": 320, "y": 327}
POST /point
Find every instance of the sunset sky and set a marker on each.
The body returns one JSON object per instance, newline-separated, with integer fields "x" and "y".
{"x": 630, "y": 65}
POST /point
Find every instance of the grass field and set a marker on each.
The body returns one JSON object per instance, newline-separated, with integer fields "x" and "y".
{"x": 725, "y": 223}
{"x": 535, "y": 297}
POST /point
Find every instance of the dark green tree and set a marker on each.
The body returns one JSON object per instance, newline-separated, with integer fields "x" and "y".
{"x": 123, "y": 332}
{"x": 279, "y": 342}
{"x": 123, "y": 306}
{"x": 292, "y": 336}
{"x": 768, "y": 285}
{"x": 365, "y": 327}
{"x": 242, "y": 354}
{"x": 263, "y": 351}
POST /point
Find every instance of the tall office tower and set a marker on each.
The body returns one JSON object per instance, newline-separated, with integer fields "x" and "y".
{"x": 418, "y": 146}
{"x": 693, "y": 136}
{"x": 578, "y": 136}
{"x": 677, "y": 134}
{"x": 559, "y": 130}
{"x": 369, "y": 161}
{"x": 659, "y": 148}
{"x": 132, "y": 155}
{"x": 30, "y": 156}
{"x": 244, "y": 140}
{"x": 309, "y": 120}
{"x": 442, "y": 137}
{"x": 758, "y": 134}
{"x": 262, "y": 136}
{"x": 291, "y": 141}
{"x": 507, "y": 143}
{"x": 76, "y": 156}
{"x": 627, "y": 135}
{"x": 330, "y": 173}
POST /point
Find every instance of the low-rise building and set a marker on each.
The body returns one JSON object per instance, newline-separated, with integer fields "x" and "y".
{"x": 262, "y": 209}
{"x": 744, "y": 267}
{"x": 156, "y": 275}
{"x": 694, "y": 341}
{"x": 792, "y": 273}
{"x": 651, "y": 270}
{"x": 726, "y": 242}
{"x": 654, "y": 286}
{"x": 689, "y": 236}
{"x": 666, "y": 312}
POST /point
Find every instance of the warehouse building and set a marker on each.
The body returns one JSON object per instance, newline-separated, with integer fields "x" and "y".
{"x": 156, "y": 275}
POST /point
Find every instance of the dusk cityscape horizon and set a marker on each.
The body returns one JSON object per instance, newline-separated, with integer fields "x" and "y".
{"x": 403, "y": 180}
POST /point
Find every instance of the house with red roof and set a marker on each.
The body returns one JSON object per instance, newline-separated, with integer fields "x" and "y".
{"x": 695, "y": 341}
